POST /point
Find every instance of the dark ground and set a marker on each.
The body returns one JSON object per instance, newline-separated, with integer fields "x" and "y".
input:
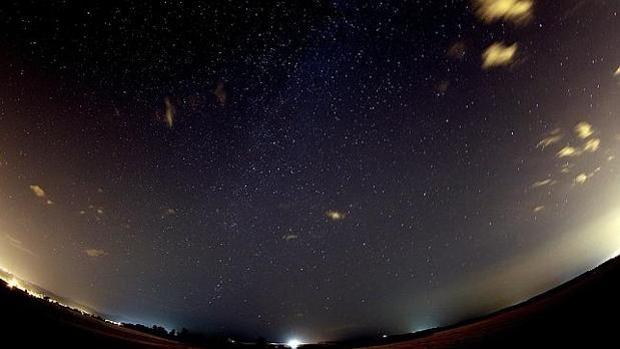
{"x": 579, "y": 314}
{"x": 583, "y": 313}
{"x": 28, "y": 322}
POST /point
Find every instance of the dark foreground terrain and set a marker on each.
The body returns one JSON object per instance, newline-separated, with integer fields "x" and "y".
{"x": 28, "y": 322}
{"x": 582, "y": 313}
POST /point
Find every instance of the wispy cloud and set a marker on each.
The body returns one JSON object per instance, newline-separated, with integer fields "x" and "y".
{"x": 515, "y": 11}
{"x": 95, "y": 253}
{"x": 18, "y": 244}
{"x": 581, "y": 178}
{"x": 499, "y": 54}
{"x": 592, "y": 145}
{"x": 458, "y": 50}
{"x": 169, "y": 112}
{"x": 554, "y": 137}
{"x": 583, "y": 130}
{"x": 543, "y": 183}
{"x": 37, "y": 190}
{"x": 335, "y": 215}
{"x": 220, "y": 93}
{"x": 568, "y": 151}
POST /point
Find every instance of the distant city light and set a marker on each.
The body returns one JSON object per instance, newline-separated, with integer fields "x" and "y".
{"x": 294, "y": 343}
{"x": 13, "y": 283}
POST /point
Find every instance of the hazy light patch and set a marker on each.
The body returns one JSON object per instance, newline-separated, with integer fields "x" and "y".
{"x": 538, "y": 208}
{"x": 567, "y": 167}
{"x": 169, "y": 112}
{"x": 617, "y": 72}
{"x": 568, "y": 151}
{"x": 458, "y": 50}
{"x": 220, "y": 94}
{"x": 499, "y": 54}
{"x": 18, "y": 244}
{"x": 581, "y": 178}
{"x": 543, "y": 183}
{"x": 13, "y": 283}
{"x": 583, "y": 130}
{"x": 592, "y": 145}
{"x": 575, "y": 251}
{"x": 515, "y": 11}
{"x": 335, "y": 215}
{"x": 37, "y": 190}
{"x": 168, "y": 212}
{"x": 294, "y": 343}
{"x": 95, "y": 253}
{"x": 552, "y": 139}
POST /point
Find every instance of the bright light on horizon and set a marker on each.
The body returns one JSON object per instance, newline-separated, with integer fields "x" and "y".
{"x": 294, "y": 343}
{"x": 13, "y": 283}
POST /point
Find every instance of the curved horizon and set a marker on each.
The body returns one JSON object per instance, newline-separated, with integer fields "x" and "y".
{"x": 307, "y": 171}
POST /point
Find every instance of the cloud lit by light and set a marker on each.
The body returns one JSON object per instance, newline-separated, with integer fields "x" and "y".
{"x": 18, "y": 244}
{"x": 554, "y": 137}
{"x": 583, "y": 130}
{"x": 543, "y": 183}
{"x": 568, "y": 151}
{"x": 169, "y": 112}
{"x": 37, "y": 190}
{"x": 335, "y": 215}
{"x": 581, "y": 178}
{"x": 515, "y": 11}
{"x": 592, "y": 145}
{"x": 499, "y": 54}
{"x": 95, "y": 253}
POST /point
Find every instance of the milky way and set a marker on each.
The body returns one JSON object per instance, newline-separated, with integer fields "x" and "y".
{"x": 307, "y": 169}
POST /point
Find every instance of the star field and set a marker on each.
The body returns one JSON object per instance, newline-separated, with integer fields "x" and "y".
{"x": 307, "y": 168}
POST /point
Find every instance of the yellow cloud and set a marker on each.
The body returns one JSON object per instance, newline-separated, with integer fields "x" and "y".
{"x": 568, "y": 151}
{"x": 583, "y": 130}
{"x": 543, "y": 183}
{"x": 37, "y": 190}
{"x": 592, "y": 145}
{"x": 550, "y": 140}
{"x": 581, "y": 178}
{"x": 498, "y": 54}
{"x": 94, "y": 253}
{"x": 516, "y": 11}
{"x": 335, "y": 215}
{"x": 169, "y": 112}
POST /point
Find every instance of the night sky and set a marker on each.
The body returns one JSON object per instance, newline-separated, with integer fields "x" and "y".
{"x": 308, "y": 169}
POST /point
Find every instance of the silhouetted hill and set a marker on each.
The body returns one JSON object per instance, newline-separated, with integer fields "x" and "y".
{"x": 581, "y": 313}
{"x": 28, "y": 322}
